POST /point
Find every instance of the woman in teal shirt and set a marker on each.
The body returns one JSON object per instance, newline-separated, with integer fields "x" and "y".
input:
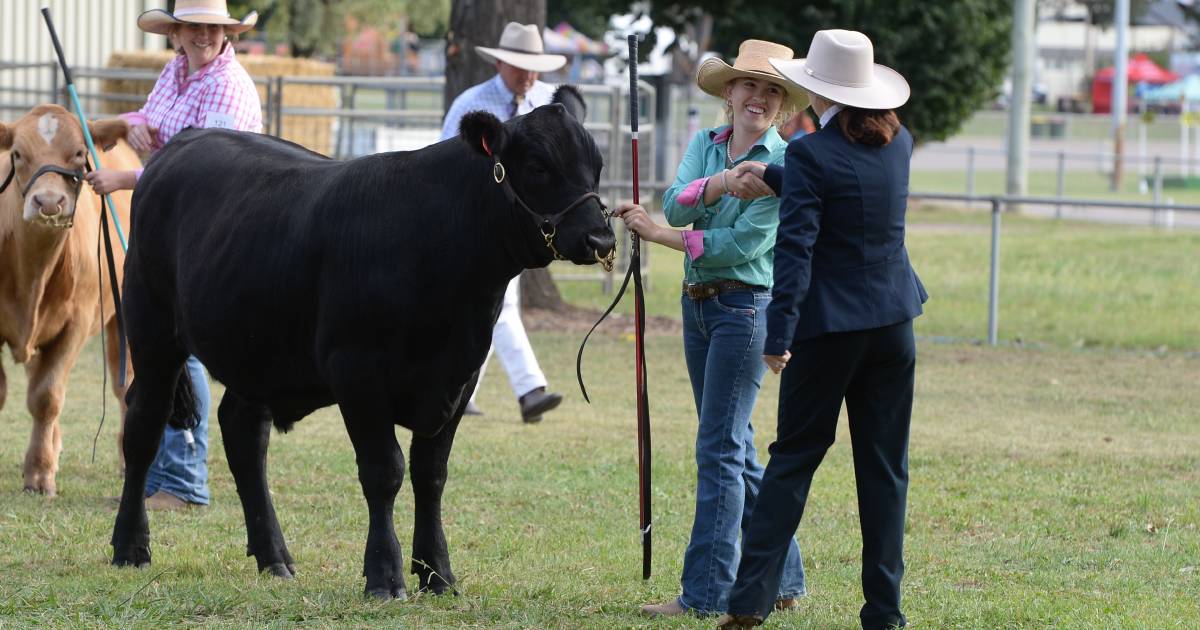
{"x": 727, "y": 285}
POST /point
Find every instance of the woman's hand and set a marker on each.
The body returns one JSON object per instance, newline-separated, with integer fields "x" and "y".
{"x": 637, "y": 220}
{"x": 107, "y": 180}
{"x": 142, "y": 137}
{"x": 777, "y": 362}
{"x": 749, "y": 167}
{"x": 745, "y": 181}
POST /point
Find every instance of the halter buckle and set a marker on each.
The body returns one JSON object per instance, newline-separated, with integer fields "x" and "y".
{"x": 550, "y": 240}
{"x": 498, "y": 172}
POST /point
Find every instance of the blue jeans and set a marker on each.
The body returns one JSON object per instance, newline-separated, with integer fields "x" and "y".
{"x": 723, "y": 343}
{"x": 180, "y": 468}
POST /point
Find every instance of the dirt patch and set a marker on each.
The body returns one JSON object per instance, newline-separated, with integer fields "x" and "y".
{"x": 574, "y": 319}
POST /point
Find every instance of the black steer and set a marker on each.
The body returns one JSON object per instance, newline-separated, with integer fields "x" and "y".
{"x": 373, "y": 284}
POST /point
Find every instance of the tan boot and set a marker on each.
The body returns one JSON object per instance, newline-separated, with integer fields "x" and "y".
{"x": 665, "y": 609}
{"x": 787, "y": 603}
{"x": 165, "y": 501}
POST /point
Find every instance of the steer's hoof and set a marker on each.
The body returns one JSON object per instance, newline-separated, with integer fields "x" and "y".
{"x": 41, "y": 483}
{"x": 384, "y": 594}
{"x": 137, "y": 558}
{"x": 281, "y": 570}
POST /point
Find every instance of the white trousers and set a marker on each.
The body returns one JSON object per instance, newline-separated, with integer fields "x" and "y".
{"x": 511, "y": 344}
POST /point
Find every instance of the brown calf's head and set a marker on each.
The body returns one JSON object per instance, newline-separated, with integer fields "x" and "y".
{"x": 45, "y": 162}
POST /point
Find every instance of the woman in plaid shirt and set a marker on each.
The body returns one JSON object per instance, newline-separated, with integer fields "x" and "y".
{"x": 203, "y": 86}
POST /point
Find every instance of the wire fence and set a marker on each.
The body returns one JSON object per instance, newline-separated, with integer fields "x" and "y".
{"x": 362, "y": 115}
{"x": 998, "y": 203}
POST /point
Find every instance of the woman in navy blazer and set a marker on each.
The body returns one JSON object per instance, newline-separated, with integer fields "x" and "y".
{"x": 840, "y": 322}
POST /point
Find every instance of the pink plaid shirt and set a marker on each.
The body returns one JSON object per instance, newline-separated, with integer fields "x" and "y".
{"x": 220, "y": 94}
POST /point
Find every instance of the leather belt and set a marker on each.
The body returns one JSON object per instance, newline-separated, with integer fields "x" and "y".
{"x": 705, "y": 290}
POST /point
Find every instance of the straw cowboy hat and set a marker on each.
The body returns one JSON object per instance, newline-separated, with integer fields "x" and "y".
{"x": 195, "y": 12}
{"x": 521, "y": 46}
{"x": 751, "y": 62}
{"x": 841, "y": 67}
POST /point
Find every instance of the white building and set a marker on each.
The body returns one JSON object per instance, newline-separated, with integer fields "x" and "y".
{"x": 90, "y": 30}
{"x": 1070, "y": 51}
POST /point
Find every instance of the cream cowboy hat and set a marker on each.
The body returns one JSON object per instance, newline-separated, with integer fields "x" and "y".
{"x": 841, "y": 67}
{"x": 195, "y": 12}
{"x": 521, "y": 46}
{"x": 751, "y": 62}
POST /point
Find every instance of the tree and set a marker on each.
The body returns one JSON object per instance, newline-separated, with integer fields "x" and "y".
{"x": 313, "y": 27}
{"x": 479, "y": 23}
{"x": 954, "y": 54}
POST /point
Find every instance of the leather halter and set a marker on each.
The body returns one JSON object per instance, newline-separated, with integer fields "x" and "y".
{"x": 74, "y": 178}
{"x": 547, "y": 224}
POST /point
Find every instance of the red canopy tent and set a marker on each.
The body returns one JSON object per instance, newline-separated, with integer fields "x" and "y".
{"x": 1141, "y": 69}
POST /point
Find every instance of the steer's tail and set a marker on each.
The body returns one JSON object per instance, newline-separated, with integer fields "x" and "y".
{"x": 184, "y": 407}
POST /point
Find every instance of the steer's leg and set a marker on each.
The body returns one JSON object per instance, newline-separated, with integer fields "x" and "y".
{"x": 149, "y": 405}
{"x": 48, "y": 371}
{"x": 246, "y": 432}
{"x": 380, "y": 471}
{"x": 427, "y": 465}
{"x": 158, "y": 360}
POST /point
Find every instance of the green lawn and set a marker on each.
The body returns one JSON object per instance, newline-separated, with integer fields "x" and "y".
{"x": 994, "y": 124}
{"x": 1062, "y": 283}
{"x": 1088, "y": 184}
{"x": 1053, "y": 485}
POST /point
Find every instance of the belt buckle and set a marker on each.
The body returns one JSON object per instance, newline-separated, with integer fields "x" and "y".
{"x": 700, "y": 290}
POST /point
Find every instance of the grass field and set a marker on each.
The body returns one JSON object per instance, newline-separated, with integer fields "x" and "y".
{"x": 1064, "y": 284}
{"x": 994, "y": 124}
{"x": 1086, "y": 184}
{"x": 1055, "y": 484}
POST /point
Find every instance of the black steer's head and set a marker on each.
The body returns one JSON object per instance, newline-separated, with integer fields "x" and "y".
{"x": 551, "y": 168}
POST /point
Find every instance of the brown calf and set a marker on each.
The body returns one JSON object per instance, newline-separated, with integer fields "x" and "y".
{"x": 50, "y": 283}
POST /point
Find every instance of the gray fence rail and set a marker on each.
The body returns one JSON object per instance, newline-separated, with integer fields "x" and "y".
{"x": 372, "y": 114}
{"x": 998, "y": 203}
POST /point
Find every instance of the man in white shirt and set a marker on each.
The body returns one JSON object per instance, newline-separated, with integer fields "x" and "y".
{"x": 515, "y": 90}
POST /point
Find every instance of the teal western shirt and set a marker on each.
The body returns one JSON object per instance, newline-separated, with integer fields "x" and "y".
{"x": 733, "y": 239}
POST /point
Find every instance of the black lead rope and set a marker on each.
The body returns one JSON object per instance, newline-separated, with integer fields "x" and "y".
{"x": 116, "y": 294}
{"x": 114, "y": 284}
{"x": 579, "y": 355}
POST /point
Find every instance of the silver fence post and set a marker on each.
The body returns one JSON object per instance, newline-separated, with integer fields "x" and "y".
{"x": 1158, "y": 176}
{"x": 1157, "y": 188}
{"x": 994, "y": 280}
{"x": 1062, "y": 183}
{"x": 277, "y": 115}
{"x": 971, "y": 171}
{"x": 55, "y": 95}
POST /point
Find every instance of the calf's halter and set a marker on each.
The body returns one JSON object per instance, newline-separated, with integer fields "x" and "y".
{"x": 74, "y": 178}
{"x": 548, "y": 225}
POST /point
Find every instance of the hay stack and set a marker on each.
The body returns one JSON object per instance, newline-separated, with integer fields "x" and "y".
{"x": 314, "y": 132}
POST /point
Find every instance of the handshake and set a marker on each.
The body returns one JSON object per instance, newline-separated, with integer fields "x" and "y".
{"x": 745, "y": 181}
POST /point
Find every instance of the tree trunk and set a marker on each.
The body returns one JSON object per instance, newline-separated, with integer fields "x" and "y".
{"x": 479, "y": 23}
{"x": 539, "y": 291}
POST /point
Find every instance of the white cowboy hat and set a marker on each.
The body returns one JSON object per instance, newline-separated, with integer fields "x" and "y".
{"x": 841, "y": 67}
{"x": 751, "y": 62}
{"x": 521, "y": 46}
{"x": 195, "y": 12}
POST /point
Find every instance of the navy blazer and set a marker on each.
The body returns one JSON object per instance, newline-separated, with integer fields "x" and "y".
{"x": 840, "y": 261}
